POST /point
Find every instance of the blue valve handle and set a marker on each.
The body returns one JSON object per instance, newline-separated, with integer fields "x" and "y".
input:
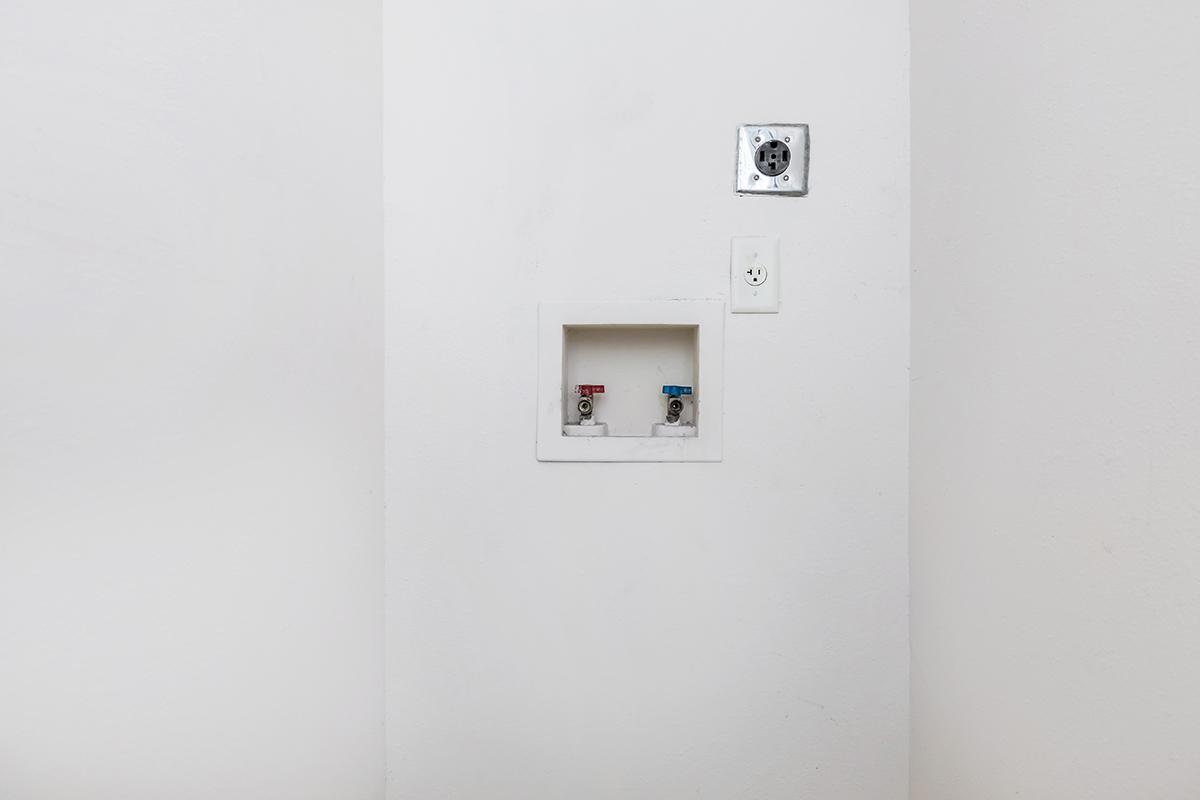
{"x": 676, "y": 391}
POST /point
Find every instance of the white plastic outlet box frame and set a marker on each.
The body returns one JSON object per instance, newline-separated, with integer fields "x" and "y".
{"x": 706, "y": 317}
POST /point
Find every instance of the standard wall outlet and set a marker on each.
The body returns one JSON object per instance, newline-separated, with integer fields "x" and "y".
{"x": 754, "y": 275}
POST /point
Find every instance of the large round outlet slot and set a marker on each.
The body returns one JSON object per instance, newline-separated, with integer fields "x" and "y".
{"x": 773, "y": 158}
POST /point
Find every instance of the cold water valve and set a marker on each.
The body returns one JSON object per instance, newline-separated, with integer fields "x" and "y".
{"x": 675, "y": 395}
{"x": 585, "y": 406}
{"x": 675, "y": 407}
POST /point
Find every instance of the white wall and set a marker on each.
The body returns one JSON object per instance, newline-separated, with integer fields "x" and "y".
{"x": 190, "y": 401}
{"x": 704, "y": 630}
{"x": 1056, "y": 388}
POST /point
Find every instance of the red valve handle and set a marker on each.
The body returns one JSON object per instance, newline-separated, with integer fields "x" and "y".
{"x": 589, "y": 389}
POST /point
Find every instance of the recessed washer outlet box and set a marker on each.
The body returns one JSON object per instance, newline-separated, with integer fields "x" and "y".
{"x": 635, "y": 350}
{"x": 773, "y": 159}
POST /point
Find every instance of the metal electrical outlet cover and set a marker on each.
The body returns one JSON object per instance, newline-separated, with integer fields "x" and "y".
{"x": 772, "y": 159}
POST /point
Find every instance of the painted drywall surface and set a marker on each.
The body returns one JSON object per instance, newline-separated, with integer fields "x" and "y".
{"x": 1056, "y": 382}
{"x": 191, "y": 404}
{"x": 645, "y": 630}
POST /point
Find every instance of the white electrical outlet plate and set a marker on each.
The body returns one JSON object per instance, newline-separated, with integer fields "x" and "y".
{"x": 773, "y": 159}
{"x": 754, "y": 275}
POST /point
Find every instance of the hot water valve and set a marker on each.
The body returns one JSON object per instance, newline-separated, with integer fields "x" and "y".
{"x": 585, "y": 407}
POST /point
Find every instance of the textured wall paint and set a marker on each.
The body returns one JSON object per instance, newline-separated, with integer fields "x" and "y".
{"x": 190, "y": 401}
{"x": 1056, "y": 400}
{"x": 733, "y": 630}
